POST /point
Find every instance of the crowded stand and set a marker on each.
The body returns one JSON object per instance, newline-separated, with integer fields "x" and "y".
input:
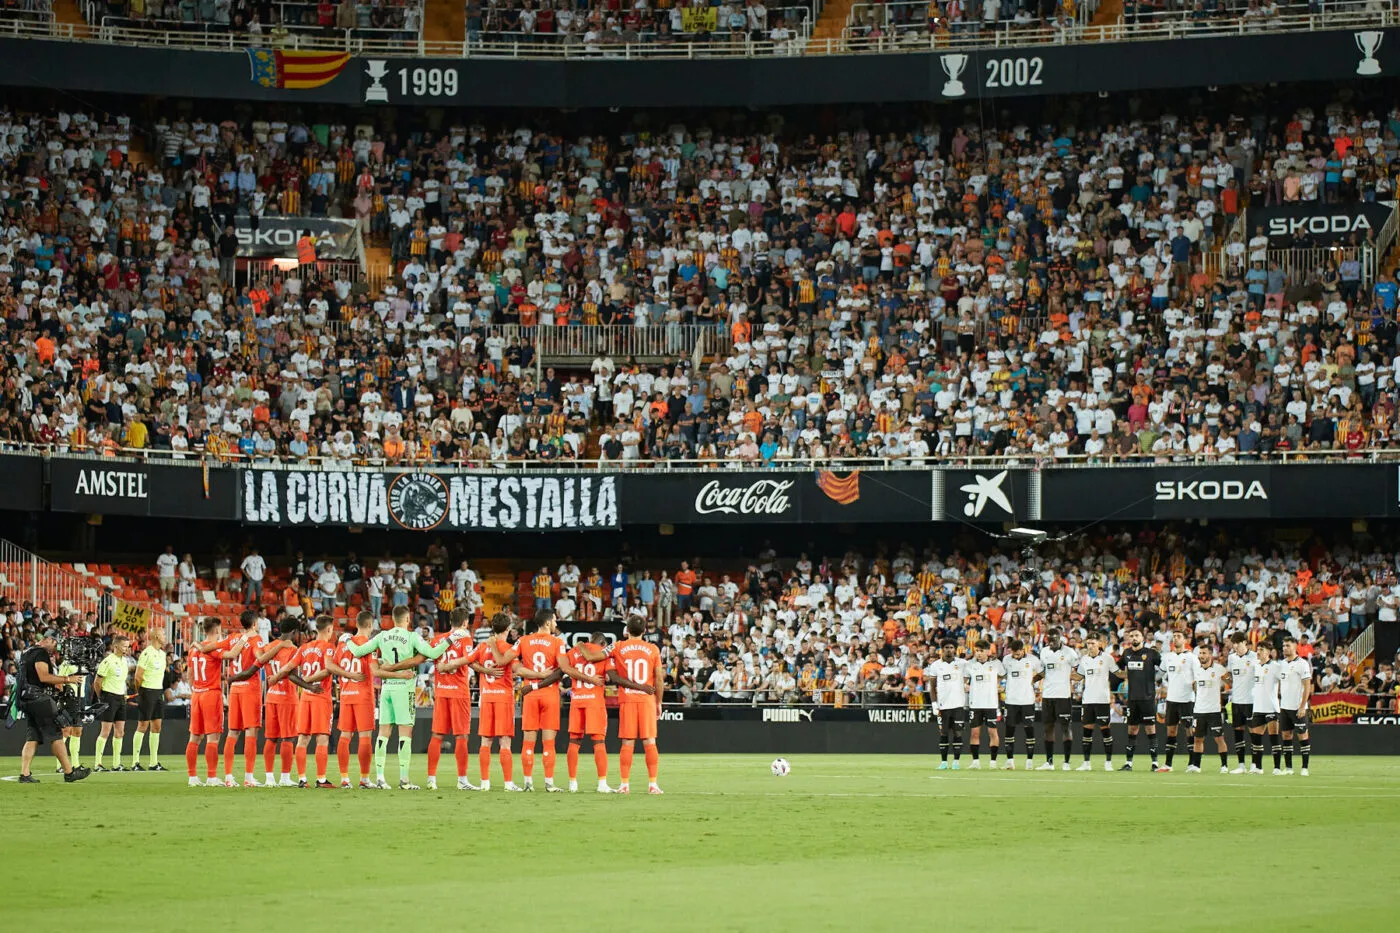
{"x": 851, "y": 629}
{"x": 265, "y": 22}
{"x": 926, "y": 292}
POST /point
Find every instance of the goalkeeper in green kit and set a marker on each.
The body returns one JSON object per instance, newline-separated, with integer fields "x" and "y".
{"x": 396, "y": 696}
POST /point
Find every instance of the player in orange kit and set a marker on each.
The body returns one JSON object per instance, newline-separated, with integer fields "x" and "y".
{"x": 588, "y": 713}
{"x": 638, "y": 712}
{"x": 309, "y": 670}
{"x": 356, "y": 701}
{"x": 539, "y": 657}
{"x": 281, "y": 701}
{"x": 206, "y": 666}
{"x": 245, "y": 699}
{"x": 496, "y": 713}
{"x": 452, "y": 699}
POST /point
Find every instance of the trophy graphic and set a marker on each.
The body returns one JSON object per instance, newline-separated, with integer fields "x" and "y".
{"x": 376, "y": 93}
{"x": 1368, "y": 42}
{"x": 953, "y": 66}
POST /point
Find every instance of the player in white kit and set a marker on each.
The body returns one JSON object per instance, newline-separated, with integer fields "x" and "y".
{"x": 1240, "y": 664}
{"x": 1206, "y": 717}
{"x": 1058, "y": 660}
{"x": 1096, "y": 668}
{"x": 1294, "y": 695}
{"x": 1179, "y": 666}
{"x": 1268, "y": 671}
{"x": 983, "y": 675}
{"x": 1021, "y": 671}
{"x": 950, "y": 691}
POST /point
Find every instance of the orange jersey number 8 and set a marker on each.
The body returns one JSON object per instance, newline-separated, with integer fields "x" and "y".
{"x": 539, "y": 662}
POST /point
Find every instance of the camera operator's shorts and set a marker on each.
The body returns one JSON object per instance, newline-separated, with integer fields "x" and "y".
{"x": 41, "y": 721}
{"x": 314, "y": 715}
{"x": 281, "y": 721}
{"x": 206, "y": 713}
{"x": 116, "y": 707}
{"x": 244, "y": 709}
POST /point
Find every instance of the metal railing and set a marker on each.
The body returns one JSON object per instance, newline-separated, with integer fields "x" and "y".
{"x": 197, "y": 458}
{"x": 618, "y": 341}
{"x": 26, "y": 577}
{"x": 836, "y": 45}
{"x": 1361, "y": 649}
{"x": 1297, "y": 264}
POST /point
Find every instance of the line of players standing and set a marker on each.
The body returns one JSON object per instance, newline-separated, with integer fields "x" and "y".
{"x": 1268, "y": 697}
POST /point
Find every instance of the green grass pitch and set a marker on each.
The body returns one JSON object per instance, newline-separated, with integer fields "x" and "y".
{"x": 844, "y": 843}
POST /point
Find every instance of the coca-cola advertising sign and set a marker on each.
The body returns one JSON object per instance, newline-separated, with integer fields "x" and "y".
{"x": 764, "y": 497}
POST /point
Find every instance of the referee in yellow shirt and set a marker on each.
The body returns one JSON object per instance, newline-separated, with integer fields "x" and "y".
{"x": 110, "y": 683}
{"x": 150, "y": 700}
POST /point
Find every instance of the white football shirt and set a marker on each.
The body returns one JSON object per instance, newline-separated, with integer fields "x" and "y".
{"x": 1209, "y": 681}
{"x": 1181, "y": 676}
{"x": 1096, "y": 672}
{"x": 1241, "y": 668}
{"x": 982, "y": 677}
{"x": 1058, "y": 665}
{"x": 948, "y": 677}
{"x": 1294, "y": 675}
{"x": 1020, "y": 676}
{"x": 1266, "y": 679}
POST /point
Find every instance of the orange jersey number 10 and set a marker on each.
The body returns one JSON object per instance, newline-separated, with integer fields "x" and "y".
{"x": 638, "y": 669}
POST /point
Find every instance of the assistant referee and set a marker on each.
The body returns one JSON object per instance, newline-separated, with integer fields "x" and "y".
{"x": 110, "y": 685}
{"x": 150, "y": 700}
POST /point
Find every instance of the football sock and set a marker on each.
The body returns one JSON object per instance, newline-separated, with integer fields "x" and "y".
{"x": 250, "y": 752}
{"x": 101, "y": 750}
{"x": 1239, "y": 745}
{"x": 571, "y": 760}
{"x": 1288, "y": 754}
{"x": 1171, "y": 754}
{"x": 137, "y": 741}
{"x": 624, "y": 762}
{"x": 211, "y": 759}
{"x": 342, "y": 756}
{"x": 192, "y": 757}
{"x": 1256, "y": 748}
{"x": 381, "y": 752}
{"x": 549, "y": 760}
{"x": 942, "y": 749}
{"x": 434, "y": 754}
{"x": 527, "y": 762}
{"x": 1152, "y": 745}
{"x": 1066, "y": 746}
{"x": 459, "y": 750}
{"x": 483, "y": 756}
{"x": 1224, "y": 759}
{"x": 116, "y": 751}
{"x": 507, "y": 764}
{"x": 1195, "y": 759}
{"x": 1030, "y": 743}
{"x": 230, "y": 749}
{"x": 957, "y": 748}
{"x": 405, "y": 757}
{"x": 1085, "y": 746}
{"x": 653, "y": 761}
{"x": 1108, "y": 746}
{"x": 1131, "y": 750}
{"x": 301, "y": 762}
{"x": 323, "y": 759}
{"x": 287, "y": 746}
{"x": 995, "y": 749}
{"x": 74, "y": 746}
{"x": 600, "y": 758}
{"x": 365, "y": 750}
{"x": 269, "y": 754}
{"x": 153, "y": 750}
{"x": 1306, "y": 750}
{"x": 976, "y": 750}
{"x": 1278, "y": 751}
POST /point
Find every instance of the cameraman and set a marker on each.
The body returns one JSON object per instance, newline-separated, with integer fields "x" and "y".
{"x": 41, "y": 710}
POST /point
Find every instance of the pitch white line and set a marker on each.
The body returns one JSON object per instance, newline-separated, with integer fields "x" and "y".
{"x": 715, "y": 793}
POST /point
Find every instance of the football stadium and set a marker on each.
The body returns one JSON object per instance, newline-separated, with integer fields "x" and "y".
{"x": 820, "y": 467}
